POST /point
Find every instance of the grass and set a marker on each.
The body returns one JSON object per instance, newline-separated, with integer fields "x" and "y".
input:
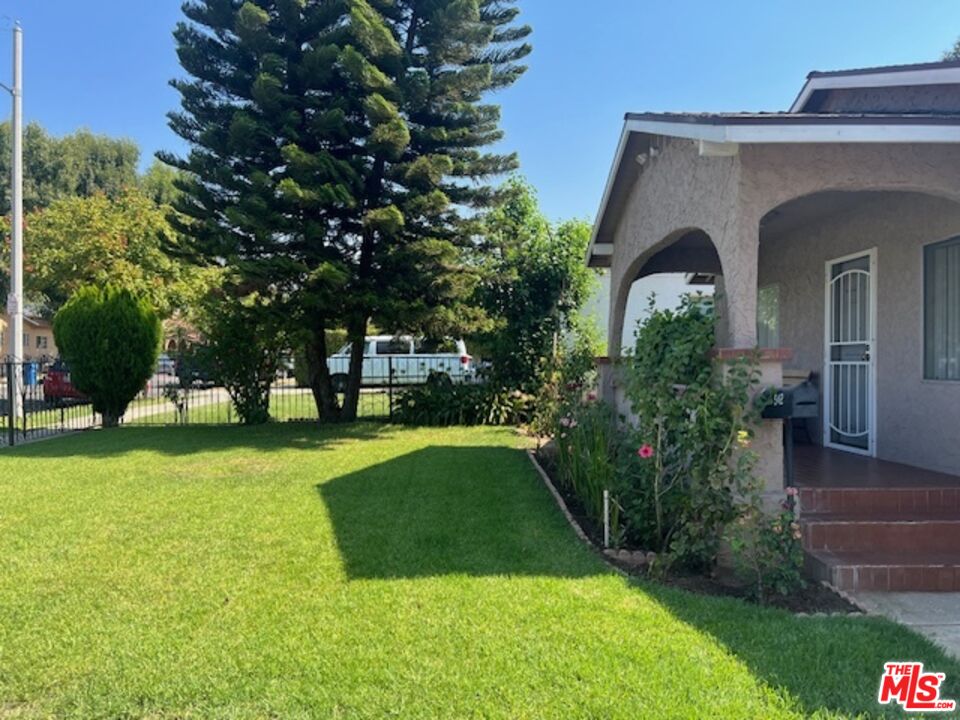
{"x": 368, "y": 571}
{"x": 285, "y": 405}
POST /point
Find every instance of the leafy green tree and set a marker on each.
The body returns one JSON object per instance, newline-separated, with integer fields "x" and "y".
{"x": 97, "y": 240}
{"x": 535, "y": 284}
{"x": 953, "y": 53}
{"x": 159, "y": 183}
{"x": 111, "y": 339}
{"x": 81, "y": 164}
{"x": 246, "y": 340}
{"x": 339, "y": 157}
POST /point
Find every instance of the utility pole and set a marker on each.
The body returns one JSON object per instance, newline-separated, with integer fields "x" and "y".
{"x": 15, "y": 299}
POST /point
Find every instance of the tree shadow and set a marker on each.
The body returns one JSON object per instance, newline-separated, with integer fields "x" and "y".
{"x": 828, "y": 665}
{"x": 451, "y": 510}
{"x": 179, "y": 440}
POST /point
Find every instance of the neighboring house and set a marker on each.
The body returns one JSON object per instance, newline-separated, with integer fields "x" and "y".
{"x": 38, "y": 341}
{"x": 179, "y": 334}
{"x": 667, "y": 290}
{"x": 833, "y": 231}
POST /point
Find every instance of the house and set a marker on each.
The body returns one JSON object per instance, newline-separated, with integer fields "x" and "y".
{"x": 833, "y": 232}
{"x": 666, "y": 289}
{"x": 38, "y": 341}
{"x": 178, "y": 334}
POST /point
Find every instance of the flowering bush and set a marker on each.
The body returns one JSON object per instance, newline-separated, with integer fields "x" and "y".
{"x": 691, "y": 462}
{"x": 586, "y": 459}
{"x": 569, "y": 371}
{"x": 769, "y": 549}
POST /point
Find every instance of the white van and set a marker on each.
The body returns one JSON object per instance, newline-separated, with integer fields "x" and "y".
{"x": 404, "y": 360}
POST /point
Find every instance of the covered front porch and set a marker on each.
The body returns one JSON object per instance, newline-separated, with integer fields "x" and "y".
{"x": 823, "y": 255}
{"x": 816, "y": 467}
{"x": 876, "y": 525}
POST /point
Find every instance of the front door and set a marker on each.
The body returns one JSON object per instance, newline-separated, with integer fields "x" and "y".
{"x": 850, "y": 348}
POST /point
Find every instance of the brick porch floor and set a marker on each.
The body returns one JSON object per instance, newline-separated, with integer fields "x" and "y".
{"x": 875, "y": 525}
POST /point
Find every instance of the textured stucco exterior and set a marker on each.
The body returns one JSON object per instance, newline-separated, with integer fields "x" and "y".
{"x": 726, "y": 197}
{"x": 918, "y": 421}
{"x": 944, "y": 98}
{"x": 680, "y": 191}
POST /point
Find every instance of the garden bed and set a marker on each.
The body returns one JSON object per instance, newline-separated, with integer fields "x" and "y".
{"x": 814, "y": 598}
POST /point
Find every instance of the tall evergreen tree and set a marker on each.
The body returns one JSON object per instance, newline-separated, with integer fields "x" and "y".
{"x": 339, "y": 156}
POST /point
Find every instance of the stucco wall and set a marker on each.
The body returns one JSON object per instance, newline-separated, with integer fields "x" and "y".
{"x": 726, "y": 197}
{"x": 918, "y": 421}
{"x": 903, "y": 98}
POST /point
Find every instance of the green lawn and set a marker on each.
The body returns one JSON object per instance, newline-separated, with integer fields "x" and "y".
{"x": 285, "y": 405}
{"x": 286, "y": 571}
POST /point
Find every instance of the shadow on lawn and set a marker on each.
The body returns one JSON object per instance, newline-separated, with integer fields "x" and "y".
{"x": 825, "y": 664}
{"x": 450, "y": 510}
{"x": 185, "y": 440}
{"x": 477, "y": 511}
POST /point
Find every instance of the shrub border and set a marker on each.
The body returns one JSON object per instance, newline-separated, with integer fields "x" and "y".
{"x": 561, "y": 503}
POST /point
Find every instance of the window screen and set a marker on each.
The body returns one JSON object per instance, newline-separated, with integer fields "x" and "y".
{"x": 941, "y": 311}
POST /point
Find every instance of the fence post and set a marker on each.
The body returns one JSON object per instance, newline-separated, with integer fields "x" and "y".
{"x": 23, "y": 409}
{"x": 390, "y": 388}
{"x": 11, "y": 406}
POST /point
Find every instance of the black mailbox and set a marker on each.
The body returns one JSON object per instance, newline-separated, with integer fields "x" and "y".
{"x": 796, "y": 401}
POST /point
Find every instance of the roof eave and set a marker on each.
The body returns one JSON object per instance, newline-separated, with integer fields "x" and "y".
{"x": 766, "y": 132}
{"x": 929, "y": 74}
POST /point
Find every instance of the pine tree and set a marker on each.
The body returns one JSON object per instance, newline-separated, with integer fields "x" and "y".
{"x": 339, "y": 157}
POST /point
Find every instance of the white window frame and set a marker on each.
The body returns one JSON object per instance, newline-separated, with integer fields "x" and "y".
{"x": 955, "y": 239}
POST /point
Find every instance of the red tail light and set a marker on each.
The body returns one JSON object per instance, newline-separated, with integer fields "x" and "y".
{"x": 465, "y": 359}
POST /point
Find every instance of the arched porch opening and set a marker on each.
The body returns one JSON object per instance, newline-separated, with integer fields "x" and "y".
{"x": 685, "y": 262}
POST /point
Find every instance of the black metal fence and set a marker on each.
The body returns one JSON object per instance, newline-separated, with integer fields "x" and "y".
{"x": 39, "y": 399}
{"x": 30, "y": 413}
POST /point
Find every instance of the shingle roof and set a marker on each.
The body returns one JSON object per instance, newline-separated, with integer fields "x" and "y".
{"x": 790, "y": 118}
{"x": 885, "y": 69}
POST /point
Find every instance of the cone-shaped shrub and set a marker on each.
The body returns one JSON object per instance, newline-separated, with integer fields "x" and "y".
{"x": 110, "y": 339}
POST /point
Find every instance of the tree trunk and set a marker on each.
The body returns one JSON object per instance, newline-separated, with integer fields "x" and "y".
{"x": 318, "y": 375}
{"x": 356, "y": 334}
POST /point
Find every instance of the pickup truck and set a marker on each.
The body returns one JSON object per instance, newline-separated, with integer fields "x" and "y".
{"x": 404, "y": 360}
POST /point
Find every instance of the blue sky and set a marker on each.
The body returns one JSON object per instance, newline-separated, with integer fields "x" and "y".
{"x": 105, "y": 65}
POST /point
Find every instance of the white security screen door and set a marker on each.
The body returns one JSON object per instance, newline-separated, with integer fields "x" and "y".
{"x": 849, "y": 389}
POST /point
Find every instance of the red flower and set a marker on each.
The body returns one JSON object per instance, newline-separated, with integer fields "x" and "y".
{"x": 645, "y": 451}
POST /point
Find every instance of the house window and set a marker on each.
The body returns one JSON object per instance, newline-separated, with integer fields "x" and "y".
{"x": 941, "y": 310}
{"x": 26, "y": 340}
{"x": 768, "y": 316}
{"x": 41, "y": 342}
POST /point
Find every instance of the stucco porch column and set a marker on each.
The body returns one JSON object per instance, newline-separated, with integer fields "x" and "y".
{"x": 767, "y": 442}
{"x": 738, "y": 243}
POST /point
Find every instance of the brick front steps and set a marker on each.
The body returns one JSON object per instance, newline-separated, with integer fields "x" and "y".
{"x": 883, "y": 539}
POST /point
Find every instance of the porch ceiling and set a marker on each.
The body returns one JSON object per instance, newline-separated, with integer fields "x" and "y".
{"x": 692, "y": 253}
{"x": 815, "y": 208}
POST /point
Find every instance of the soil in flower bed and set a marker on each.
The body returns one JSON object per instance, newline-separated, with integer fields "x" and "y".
{"x": 813, "y": 598}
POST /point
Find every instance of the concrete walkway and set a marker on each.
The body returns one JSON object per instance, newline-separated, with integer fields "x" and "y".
{"x": 936, "y": 615}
